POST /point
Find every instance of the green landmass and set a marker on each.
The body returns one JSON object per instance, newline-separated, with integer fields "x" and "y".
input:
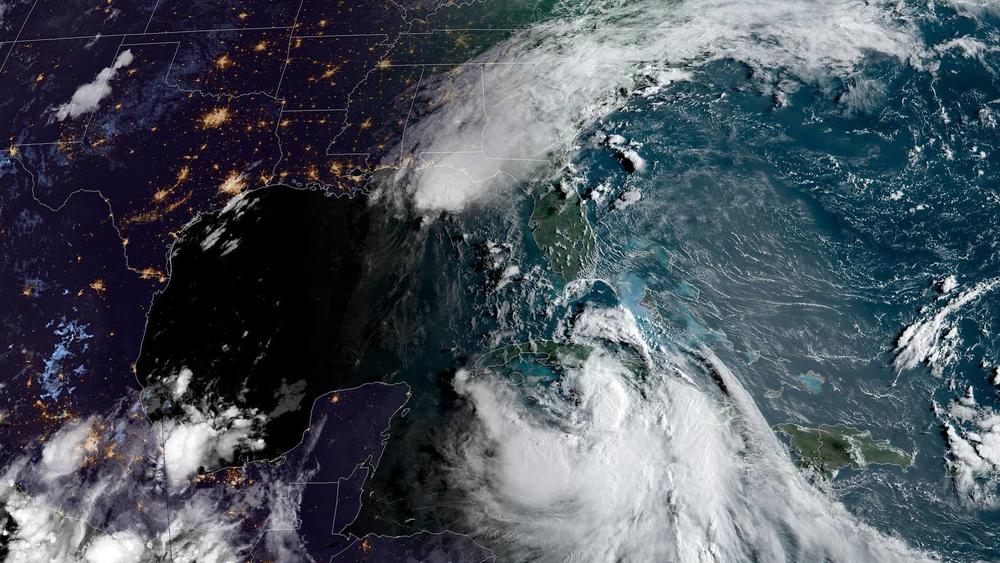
{"x": 554, "y": 358}
{"x": 560, "y": 228}
{"x": 548, "y": 353}
{"x": 831, "y": 448}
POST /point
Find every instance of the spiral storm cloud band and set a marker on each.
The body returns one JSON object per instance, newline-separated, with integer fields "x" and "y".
{"x": 520, "y": 280}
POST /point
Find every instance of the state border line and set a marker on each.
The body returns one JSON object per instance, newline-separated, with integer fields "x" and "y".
{"x": 434, "y": 31}
{"x": 18, "y": 36}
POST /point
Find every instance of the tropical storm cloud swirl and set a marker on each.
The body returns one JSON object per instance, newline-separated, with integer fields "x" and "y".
{"x": 618, "y": 463}
{"x": 500, "y": 281}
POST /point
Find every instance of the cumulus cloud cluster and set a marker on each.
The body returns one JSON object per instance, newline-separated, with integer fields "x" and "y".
{"x": 519, "y": 106}
{"x": 200, "y": 431}
{"x": 932, "y": 340}
{"x": 115, "y": 488}
{"x": 973, "y": 435}
{"x": 607, "y": 466}
{"x": 88, "y": 96}
{"x": 119, "y": 547}
{"x": 133, "y": 503}
{"x": 130, "y": 495}
{"x": 65, "y": 451}
{"x": 112, "y": 510}
{"x": 204, "y": 439}
{"x": 971, "y": 430}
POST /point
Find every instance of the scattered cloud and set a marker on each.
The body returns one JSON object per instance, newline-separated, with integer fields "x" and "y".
{"x": 933, "y": 338}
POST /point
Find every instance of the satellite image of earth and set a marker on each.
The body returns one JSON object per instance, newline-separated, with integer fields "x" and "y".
{"x": 499, "y": 280}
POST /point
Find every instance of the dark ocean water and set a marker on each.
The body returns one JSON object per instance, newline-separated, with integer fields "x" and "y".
{"x": 797, "y": 229}
{"x": 789, "y": 254}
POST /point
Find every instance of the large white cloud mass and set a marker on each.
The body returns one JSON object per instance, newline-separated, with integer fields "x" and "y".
{"x": 65, "y": 451}
{"x": 520, "y": 105}
{"x": 608, "y": 466}
{"x": 88, "y": 96}
{"x": 114, "y": 510}
{"x": 932, "y": 339}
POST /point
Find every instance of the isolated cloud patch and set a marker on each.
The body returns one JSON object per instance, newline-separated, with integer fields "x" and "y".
{"x": 89, "y": 96}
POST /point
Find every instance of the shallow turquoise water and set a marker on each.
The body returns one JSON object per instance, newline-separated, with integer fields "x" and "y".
{"x": 803, "y": 239}
{"x": 795, "y": 228}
